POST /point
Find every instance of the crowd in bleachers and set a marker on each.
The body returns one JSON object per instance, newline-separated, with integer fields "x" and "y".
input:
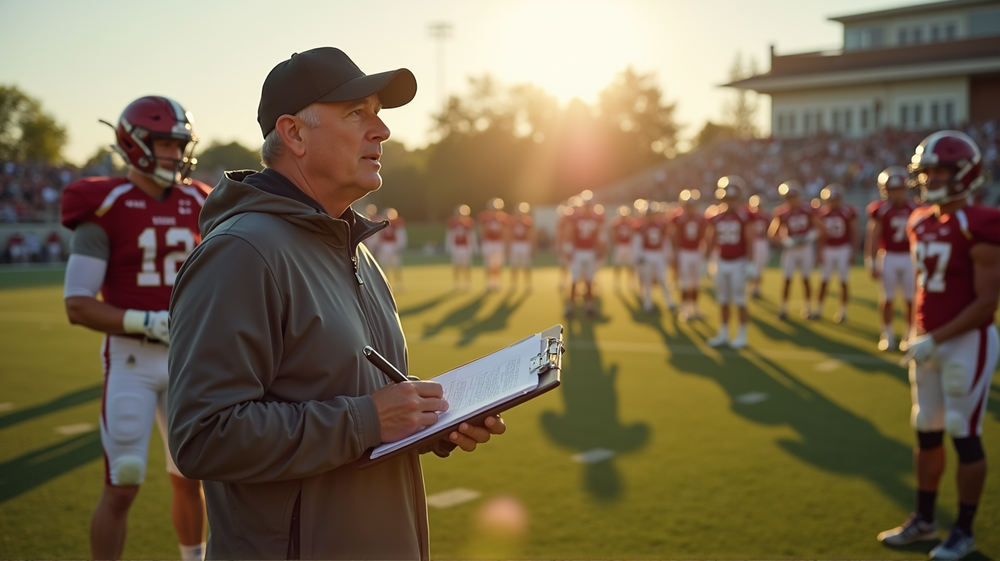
{"x": 814, "y": 161}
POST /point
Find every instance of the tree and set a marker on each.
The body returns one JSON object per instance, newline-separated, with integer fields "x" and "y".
{"x": 712, "y": 132}
{"x": 633, "y": 106}
{"x": 218, "y": 156}
{"x": 27, "y": 132}
{"x": 741, "y": 111}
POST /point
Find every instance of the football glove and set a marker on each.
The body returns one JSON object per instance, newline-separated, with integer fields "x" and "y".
{"x": 788, "y": 242}
{"x": 920, "y": 349}
{"x": 751, "y": 271}
{"x": 155, "y": 325}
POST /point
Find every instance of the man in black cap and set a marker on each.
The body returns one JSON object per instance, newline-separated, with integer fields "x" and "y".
{"x": 271, "y": 401}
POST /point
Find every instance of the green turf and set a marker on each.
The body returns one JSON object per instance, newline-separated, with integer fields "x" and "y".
{"x": 814, "y": 471}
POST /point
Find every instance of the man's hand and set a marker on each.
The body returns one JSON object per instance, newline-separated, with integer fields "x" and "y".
{"x": 155, "y": 325}
{"x": 920, "y": 350}
{"x": 468, "y": 435}
{"x": 407, "y": 407}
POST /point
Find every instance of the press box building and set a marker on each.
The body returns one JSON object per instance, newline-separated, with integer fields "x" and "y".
{"x": 914, "y": 67}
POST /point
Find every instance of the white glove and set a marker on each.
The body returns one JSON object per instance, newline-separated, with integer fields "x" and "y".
{"x": 812, "y": 236}
{"x": 751, "y": 271}
{"x": 788, "y": 242}
{"x": 155, "y": 325}
{"x": 920, "y": 349}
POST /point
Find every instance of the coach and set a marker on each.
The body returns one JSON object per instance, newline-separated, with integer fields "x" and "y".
{"x": 271, "y": 400}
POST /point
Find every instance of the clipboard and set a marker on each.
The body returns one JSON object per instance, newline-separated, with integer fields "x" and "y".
{"x": 547, "y": 365}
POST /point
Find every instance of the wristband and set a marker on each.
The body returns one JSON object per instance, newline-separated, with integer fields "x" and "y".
{"x": 135, "y": 321}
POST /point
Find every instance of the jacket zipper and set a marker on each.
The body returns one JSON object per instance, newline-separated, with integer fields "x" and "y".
{"x": 364, "y": 304}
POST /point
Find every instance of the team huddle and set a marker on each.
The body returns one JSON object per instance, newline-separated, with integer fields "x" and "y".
{"x": 942, "y": 256}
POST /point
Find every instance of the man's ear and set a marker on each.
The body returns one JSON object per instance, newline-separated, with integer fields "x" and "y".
{"x": 289, "y": 128}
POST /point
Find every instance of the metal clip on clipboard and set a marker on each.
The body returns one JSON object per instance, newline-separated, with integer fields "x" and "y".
{"x": 548, "y": 357}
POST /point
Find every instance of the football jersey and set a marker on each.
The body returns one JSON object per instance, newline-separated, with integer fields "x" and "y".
{"x": 797, "y": 220}
{"x": 653, "y": 233}
{"x": 940, "y": 247}
{"x": 729, "y": 227}
{"x": 493, "y": 224}
{"x": 585, "y": 229}
{"x": 760, "y": 220}
{"x": 149, "y": 239}
{"x": 622, "y": 229}
{"x": 689, "y": 229}
{"x": 836, "y": 224}
{"x": 520, "y": 227}
{"x": 390, "y": 233}
{"x": 461, "y": 230}
{"x": 893, "y": 219}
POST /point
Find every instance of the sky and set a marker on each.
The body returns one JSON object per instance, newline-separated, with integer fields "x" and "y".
{"x": 86, "y": 60}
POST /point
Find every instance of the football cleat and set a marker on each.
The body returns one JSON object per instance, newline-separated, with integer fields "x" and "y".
{"x": 782, "y": 315}
{"x": 739, "y": 342}
{"x": 957, "y": 545}
{"x": 913, "y": 530}
{"x": 719, "y": 340}
{"x": 840, "y": 317}
{"x": 885, "y": 342}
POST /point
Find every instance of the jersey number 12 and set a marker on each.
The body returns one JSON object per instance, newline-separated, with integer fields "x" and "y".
{"x": 149, "y": 275}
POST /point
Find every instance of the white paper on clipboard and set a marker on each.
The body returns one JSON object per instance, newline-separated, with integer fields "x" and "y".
{"x": 479, "y": 385}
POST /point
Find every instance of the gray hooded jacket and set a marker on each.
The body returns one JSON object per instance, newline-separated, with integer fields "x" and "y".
{"x": 269, "y": 395}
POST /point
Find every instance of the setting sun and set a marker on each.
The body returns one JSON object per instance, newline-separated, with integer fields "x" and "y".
{"x": 569, "y": 51}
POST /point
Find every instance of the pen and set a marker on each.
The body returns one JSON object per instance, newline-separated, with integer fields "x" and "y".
{"x": 384, "y": 365}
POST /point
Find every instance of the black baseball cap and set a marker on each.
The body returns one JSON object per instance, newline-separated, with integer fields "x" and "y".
{"x": 326, "y": 74}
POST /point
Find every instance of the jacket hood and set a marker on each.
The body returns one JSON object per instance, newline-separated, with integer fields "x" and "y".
{"x": 232, "y": 197}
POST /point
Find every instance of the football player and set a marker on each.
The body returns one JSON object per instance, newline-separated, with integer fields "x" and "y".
{"x": 563, "y": 247}
{"x": 585, "y": 234}
{"x": 522, "y": 244}
{"x": 731, "y": 232}
{"x": 650, "y": 244}
{"x": 687, "y": 234}
{"x": 391, "y": 243}
{"x": 130, "y": 236}
{"x": 837, "y": 243}
{"x": 887, "y": 251}
{"x": 493, "y": 225}
{"x": 460, "y": 242}
{"x": 794, "y": 227}
{"x": 955, "y": 246}
{"x": 623, "y": 230}
{"x": 759, "y": 219}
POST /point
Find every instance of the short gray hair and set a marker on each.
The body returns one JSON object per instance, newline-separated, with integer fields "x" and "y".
{"x": 273, "y": 146}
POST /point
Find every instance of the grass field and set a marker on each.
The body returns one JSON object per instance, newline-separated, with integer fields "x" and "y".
{"x": 798, "y": 447}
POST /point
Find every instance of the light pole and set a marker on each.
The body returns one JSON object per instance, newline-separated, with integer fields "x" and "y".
{"x": 440, "y": 31}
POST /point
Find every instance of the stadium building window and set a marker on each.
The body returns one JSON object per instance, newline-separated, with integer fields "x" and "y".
{"x": 985, "y": 22}
{"x": 903, "y": 36}
{"x": 950, "y": 32}
{"x": 864, "y": 119}
{"x": 917, "y": 111}
{"x": 935, "y": 114}
{"x": 904, "y": 115}
{"x": 917, "y": 34}
{"x": 836, "y": 120}
{"x": 935, "y": 34}
{"x": 949, "y": 113}
{"x": 791, "y": 123}
{"x": 819, "y": 121}
{"x": 847, "y": 120}
{"x": 808, "y": 122}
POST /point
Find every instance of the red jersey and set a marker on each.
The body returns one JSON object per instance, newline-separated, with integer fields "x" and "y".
{"x": 729, "y": 227}
{"x": 836, "y": 224}
{"x": 493, "y": 223}
{"x": 390, "y": 233}
{"x": 689, "y": 228}
{"x": 585, "y": 229}
{"x": 797, "y": 220}
{"x": 460, "y": 228}
{"x": 521, "y": 226}
{"x": 760, "y": 219}
{"x": 653, "y": 233}
{"x": 623, "y": 228}
{"x": 893, "y": 219}
{"x": 940, "y": 246}
{"x": 149, "y": 238}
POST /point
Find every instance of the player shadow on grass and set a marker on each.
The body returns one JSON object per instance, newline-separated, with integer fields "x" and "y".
{"x": 590, "y": 421}
{"x": 24, "y": 473}
{"x": 495, "y": 321}
{"x": 65, "y": 401}
{"x": 830, "y": 437}
{"x": 426, "y": 304}
{"x": 458, "y": 316}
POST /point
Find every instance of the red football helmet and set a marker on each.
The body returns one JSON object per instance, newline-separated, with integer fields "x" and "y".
{"x": 892, "y": 177}
{"x": 955, "y": 151}
{"x": 730, "y": 187}
{"x": 154, "y": 117}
